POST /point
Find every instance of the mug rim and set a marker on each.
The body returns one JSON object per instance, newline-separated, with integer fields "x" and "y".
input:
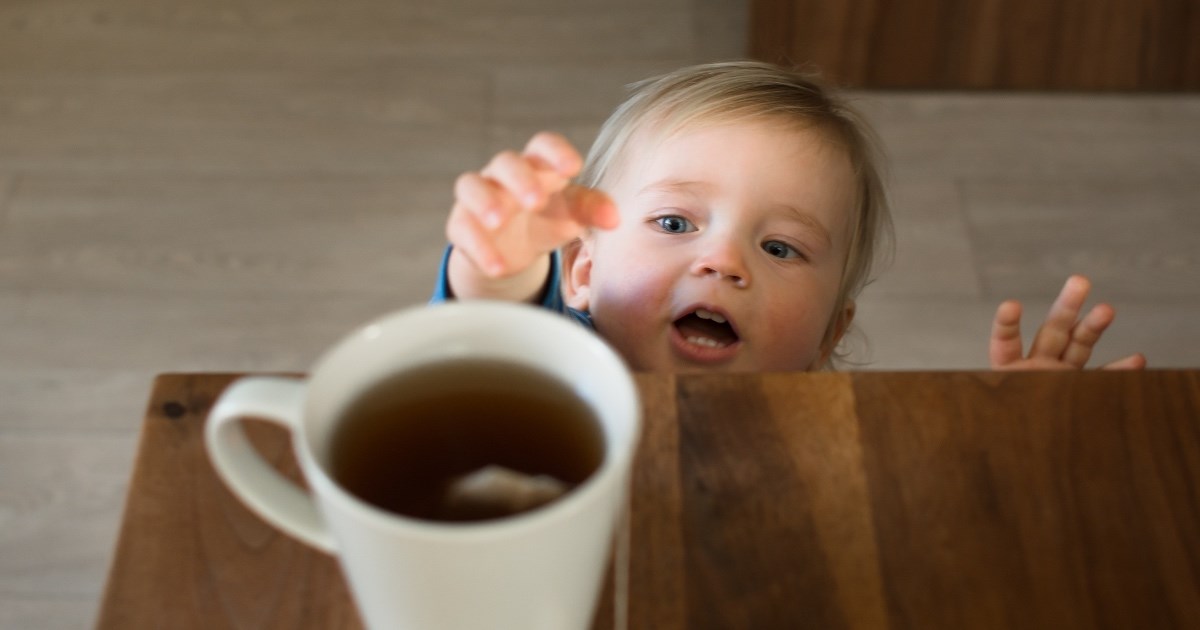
{"x": 617, "y": 452}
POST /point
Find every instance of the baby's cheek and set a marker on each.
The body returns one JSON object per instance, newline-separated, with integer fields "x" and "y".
{"x": 796, "y": 341}
{"x": 635, "y": 291}
{"x": 628, "y": 317}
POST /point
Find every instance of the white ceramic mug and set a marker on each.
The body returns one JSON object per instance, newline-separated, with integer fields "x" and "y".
{"x": 539, "y": 569}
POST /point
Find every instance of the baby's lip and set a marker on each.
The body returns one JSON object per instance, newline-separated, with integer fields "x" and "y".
{"x": 705, "y": 333}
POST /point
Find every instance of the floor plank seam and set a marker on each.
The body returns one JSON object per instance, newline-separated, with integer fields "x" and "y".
{"x": 8, "y": 192}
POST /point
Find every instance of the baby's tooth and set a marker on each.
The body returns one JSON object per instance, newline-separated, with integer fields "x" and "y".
{"x": 706, "y": 314}
{"x": 705, "y": 341}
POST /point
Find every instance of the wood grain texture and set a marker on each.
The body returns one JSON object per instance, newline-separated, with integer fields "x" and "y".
{"x": 868, "y": 500}
{"x": 816, "y": 418}
{"x": 1030, "y": 501}
{"x": 757, "y": 559}
{"x": 284, "y": 584}
{"x": 658, "y": 552}
{"x": 991, "y": 44}
{"x": 227, "y": 567}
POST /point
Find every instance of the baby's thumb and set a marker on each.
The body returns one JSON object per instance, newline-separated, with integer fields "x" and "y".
{"x": 591, "y": 207}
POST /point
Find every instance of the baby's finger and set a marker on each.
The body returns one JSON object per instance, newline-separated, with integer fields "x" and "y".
{"x": 1055, "y": 334}
{"x": 518, "y": 176}
{"x": 1005, "y": 345}
{"x": 1131, "y": 362}
{"x": 467, "y": 235}
{"x": 1086, "y": 333}
{"x": 487, "y": 201}
{"x": 591, "y": 207}
{"x": 553, "y": 151}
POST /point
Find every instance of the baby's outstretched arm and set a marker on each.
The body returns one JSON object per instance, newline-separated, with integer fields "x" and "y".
{"x": 508, "y": 217}
{"x": 1064, "y": 342}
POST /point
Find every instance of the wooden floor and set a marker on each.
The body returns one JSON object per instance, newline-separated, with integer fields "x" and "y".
{"x": 233, "y": 185}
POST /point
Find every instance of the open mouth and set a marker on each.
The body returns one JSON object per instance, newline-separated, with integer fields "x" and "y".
{"x": 705, "y": 328}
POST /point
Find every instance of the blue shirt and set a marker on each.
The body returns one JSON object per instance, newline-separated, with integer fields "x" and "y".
{"x": 551, "y": 293}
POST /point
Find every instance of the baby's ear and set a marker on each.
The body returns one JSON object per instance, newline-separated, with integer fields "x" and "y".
{"x": 577, "y": 273}
{"x": 838, "y": 327}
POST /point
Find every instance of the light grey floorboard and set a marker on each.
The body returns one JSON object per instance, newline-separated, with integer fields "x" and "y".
{"x": 357, "y": 118}
{"x": 515, "y": 135}
{"x": 1037, "y": 135}
{"x": 7, "y": 183}
{"x": 552, "y": 93}
{"x": 62, "y": 496}
{"x": 114, "y": 331}
{"x": 266, "y": 146}
{"x": 64, "y": 399}
{"x": 286, "y": 235}
{"x": 1005, "y": 195}
{"x": 1135, "y": 237}
{"x": 952, "y": 333}
{"x": 47, "y": 612}
{"x": 281, "y": 34}
{"x": 931, "y": 253}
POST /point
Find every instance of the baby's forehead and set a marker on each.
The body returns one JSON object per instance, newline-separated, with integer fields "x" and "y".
{"x": 790, "y": 127}
{"x": 647, "y": 139}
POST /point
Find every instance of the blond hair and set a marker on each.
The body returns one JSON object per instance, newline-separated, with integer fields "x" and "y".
{"x": 747, "y": 90}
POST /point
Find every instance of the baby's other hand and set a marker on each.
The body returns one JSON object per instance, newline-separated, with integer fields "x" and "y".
{"x": 1064, "y": 342}
{"x": 521, "y": 206}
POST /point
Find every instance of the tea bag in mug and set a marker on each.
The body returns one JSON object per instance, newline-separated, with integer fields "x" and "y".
{"x": 494, "y": 491}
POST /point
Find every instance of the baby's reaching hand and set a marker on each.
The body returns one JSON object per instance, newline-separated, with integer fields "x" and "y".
{"x": 1064, "y": 342}
{"x": 508, "y": 217}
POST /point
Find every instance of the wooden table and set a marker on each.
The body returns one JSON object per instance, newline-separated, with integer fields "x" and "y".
{"x": 852, "y": 500}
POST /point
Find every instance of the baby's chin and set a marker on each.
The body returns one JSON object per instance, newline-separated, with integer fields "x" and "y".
{"x": 742, "y": 365}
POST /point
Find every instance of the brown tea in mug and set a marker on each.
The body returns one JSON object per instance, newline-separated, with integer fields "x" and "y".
{"x": 466, "y": 440}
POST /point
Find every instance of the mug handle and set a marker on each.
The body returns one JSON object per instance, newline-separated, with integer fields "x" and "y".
{"x": 264, "y": 490}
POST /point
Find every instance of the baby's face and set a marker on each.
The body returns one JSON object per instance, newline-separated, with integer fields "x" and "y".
{"x": 729, "y": 252}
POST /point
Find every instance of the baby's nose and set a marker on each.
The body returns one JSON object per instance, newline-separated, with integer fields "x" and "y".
{"x": 723, "y": 263}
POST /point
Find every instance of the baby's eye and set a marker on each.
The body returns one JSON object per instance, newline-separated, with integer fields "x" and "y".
{"x": 780, "y": 249}
{"x": 675, "y": 224}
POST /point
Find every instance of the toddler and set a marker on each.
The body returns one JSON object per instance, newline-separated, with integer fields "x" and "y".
{"x": 726, "y": 218}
